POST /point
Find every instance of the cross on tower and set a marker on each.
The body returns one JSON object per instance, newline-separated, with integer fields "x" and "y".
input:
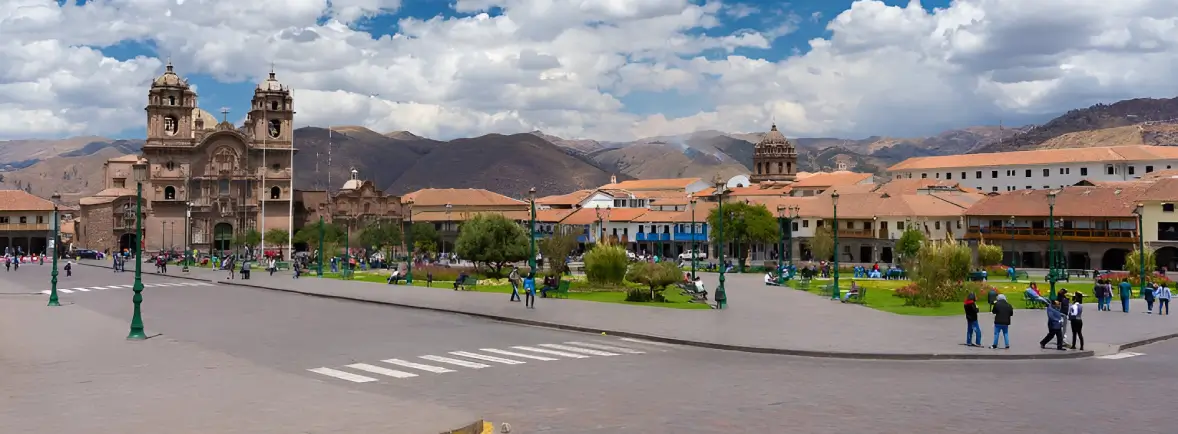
{"x": 224, "y": 114}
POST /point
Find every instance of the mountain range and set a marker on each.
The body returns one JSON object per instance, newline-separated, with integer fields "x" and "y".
{"x": 401, "y": 161}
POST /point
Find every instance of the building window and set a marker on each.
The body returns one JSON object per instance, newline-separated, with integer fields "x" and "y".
{"x": 120, "y": 182}
{"x": 169, "y": 193}
{"x": 900, "y": 226}
{"x": 948, "y": 175}
{"x": 1083, "y": 171}
{"x": 937, "y": 225}
{"x": 276, "y": 193}
{"x": 963, "y": 175}
{"x": 170, "y": 165}
{"x": 40, "y": 219}
{"x": 994, "y": 188}
{"x": 171, "y": 100}
{"x": 1109, "y": 169}
{"x": 1046, "y": 172}
{"x": 958, "y": 224}
{"x": 994, "y": 174}
{"x": 24, "y": 220}
{"x": 780, "y": 167}
{"x": 1030, "y": 188}
{"x": 937, "y": 175}
{"x": 4, "y": 220}
{"x": 805, "y": 223}
{"x": 1148, "y": 169}
{"x": 819, "y": 223}
{"x": 1028, "y": 174}
{"x": 1168, "y": 207}
{"x": 850, "y": 225}
{"x": 978, "y": 174}
{"x": 795, "y": 226}
{"x": 923, "y": 175}
{"x": 223, "y": 187}
{"x": 1132, "y": 169}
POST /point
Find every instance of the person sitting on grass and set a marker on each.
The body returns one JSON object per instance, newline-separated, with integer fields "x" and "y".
{"x": 770, "y": 279}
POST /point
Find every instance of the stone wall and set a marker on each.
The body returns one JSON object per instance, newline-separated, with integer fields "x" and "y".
{"x": 96, "y": 230}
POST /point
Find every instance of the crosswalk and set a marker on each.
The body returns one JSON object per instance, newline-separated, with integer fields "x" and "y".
{"x": 483, "y": 358}
{"x": 106, "y": 287}
{"x": 1119, "y": 356}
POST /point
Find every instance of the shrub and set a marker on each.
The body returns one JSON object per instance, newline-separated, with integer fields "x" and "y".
{"x": 998, "y": 271}
{"x": 440, "y": 273}
{"x": 656, "y": 276}
{"x": 606, "y": 265}
{"x": 907, "y": 292}
{"x": 939, "y": 270}
{"x": 638, "y": 295}
{"x": 989, "y": 255}
{"x": 1134, "y": 278}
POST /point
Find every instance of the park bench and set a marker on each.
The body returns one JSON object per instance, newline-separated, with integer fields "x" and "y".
{"x": 860, "y": 298}
{"x": 1061, "y": 277}
{"x": 282, "y": 265}
{"x": 1030, "y": 302}
{"x": 977, "y": 276}
{"x": 803, "y": 284}
{"x": 1078, "y": 273}
{"x": 1021, "y": 275}
{"x": 562, "y": 289}
{"x": 468, "y": 284}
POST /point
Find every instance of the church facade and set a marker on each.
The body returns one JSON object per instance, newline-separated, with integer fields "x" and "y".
{"x": 215, "y": 179}
{"x": 775, "y": 159}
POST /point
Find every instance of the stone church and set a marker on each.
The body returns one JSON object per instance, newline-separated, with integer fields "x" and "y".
{"x": 229, "y": 178}
{"x": 775, "y": 159}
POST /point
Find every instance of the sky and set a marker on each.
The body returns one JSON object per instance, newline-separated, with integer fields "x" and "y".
{"x": 600, "y": 69}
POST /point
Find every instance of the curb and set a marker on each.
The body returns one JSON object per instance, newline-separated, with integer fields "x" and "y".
{"x": 709, "y": 345}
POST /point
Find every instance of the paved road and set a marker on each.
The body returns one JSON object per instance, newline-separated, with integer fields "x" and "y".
{"x": 266, "y": 338}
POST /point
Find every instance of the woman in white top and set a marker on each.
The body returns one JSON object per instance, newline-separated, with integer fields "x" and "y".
{"x": 770, "y": 280}
{"x": 1163, "y": 294}
{"x": 1075, "y": 317}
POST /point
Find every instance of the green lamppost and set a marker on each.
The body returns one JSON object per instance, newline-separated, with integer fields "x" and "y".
{"x": 53, "y": 273}
{"x": 532, "y": 232}
{"x": 1140, "y": 211}
{"x": 721, "y": 295}
{"x": 409, "y": 237}
{"x": 781, "y": 215}
{"x": 319, "y": 266}
{"x": 187, "y": 235}
{"x": 1051, "y": 242}
{"x": 1013, "y": 248}
{"x": 791, "y": 213}
{"x": 834, "y": 201}
{"x": 694, "y": 241}
{"x": 137, "y": 333}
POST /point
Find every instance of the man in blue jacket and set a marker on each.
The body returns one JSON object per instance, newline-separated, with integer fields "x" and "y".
{"x": 1054, "y": 325}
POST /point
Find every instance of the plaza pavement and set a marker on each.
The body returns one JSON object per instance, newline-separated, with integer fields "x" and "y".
{"x": 758, "y": 319}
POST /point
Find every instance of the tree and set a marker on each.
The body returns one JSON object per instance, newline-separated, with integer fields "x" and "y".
{"x": 425, "y": 237}
{"x": 556, "y": 249}
{"x": 655, "y": 275}
{"x": 1133, "y": 262}
{"x": 606, "y": 264}
{"x": 989, "y": 254}
{"x": 276, "y": 237}
{"x": 381, "y": 236}
{"x": 744, "y": 224}
{"x": 492, "y": 240}
{"x": 822, "y": 245}
{"x": 909, "y": 245}
{"x": 333, "y": 236}
{"x": 248, "y": 238}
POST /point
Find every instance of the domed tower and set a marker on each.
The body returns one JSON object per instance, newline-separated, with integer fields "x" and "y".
{"x": 271, "y": 115}
{"x": 774, "y": 159}
{"x": 170, "y": 104}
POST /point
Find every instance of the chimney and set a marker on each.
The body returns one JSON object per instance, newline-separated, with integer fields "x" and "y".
{"x": 613, "y": 179}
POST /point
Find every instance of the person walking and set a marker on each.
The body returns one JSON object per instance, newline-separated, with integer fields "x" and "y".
{"x": 272, "y": 266}
{"x": 1054, "y": 325}
{"x": 229, "y": 266}
{"x": 1126, "y": 294}
{"x": 69, "y": 268}
{"x": 1064, "y": 301}
{"x": 514, "y": 279}
{"x": 1163, "y": 295}
{"x": 1147, "y": 294}
{"x": 1002, "y": 311}
{"x": 1075, "y": 317}
{"x": 530, "y": 291}
{"x": 973, "y": 332}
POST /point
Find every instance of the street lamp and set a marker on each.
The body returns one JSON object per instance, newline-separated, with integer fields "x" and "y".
{"x": 187, "y": 234}
{"x": 721, "y": 294}
{"x": 1051, "y": 242}
{"x": 137, "y": 333}
{"x": 1013, "y": 248}
{"x": 53, "y": 273}
{"x": 834, "y": 201}
{"x": 409, "y": 237}
{"x": 794, "y": 212}
{"x": 694, "y": 241}
{"x": 781, "y": 222}
{"x": 446, "y": 228}
{"x": 1139, "y": 210}
{"x": 532, "y": 232}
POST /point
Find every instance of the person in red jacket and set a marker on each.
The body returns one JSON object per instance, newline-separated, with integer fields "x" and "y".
{"x": 973, "y": 332}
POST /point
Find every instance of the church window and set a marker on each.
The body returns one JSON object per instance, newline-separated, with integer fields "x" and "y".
{"x": 758, "y": 168}
{"x": 273, "y": 105}
{"x": 170, "y": 165}
{"x": 171, "y": 100}
{"x": 276, "y": 167}
{"x": 789, "y": 167}
{"x": 170, "y": 125}
{"x": 779, "y": 167}
{"x": 367, "y": 208}
{"x": 223, "y": 187}
{"x": 169, "y": 193}
{"x": 225, "y": 159}
{"x": 276, "y": 193}
{"x": 275, "y": 128}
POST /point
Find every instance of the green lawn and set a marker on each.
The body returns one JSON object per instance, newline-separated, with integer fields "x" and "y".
{"x": 579, "y": 291}
{"x": 880, "y": 295}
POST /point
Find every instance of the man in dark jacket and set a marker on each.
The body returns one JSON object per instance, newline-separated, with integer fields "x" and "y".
{"x": 1054, "y": 327}
{"x": 1002, "y": 311}
{"x": 972, "y": 328}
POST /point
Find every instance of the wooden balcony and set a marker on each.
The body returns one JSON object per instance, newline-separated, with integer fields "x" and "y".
{"x": 856, "y": 233}
{"x": 24, "y": 227}
{"x": 1042, "y": 234}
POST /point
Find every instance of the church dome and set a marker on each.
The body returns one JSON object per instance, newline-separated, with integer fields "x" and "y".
{"x": 271, "y": 84}
{"x": 773, "y": 137}
{"x": 170, "y": 79}
{"x": 354, "y": 183}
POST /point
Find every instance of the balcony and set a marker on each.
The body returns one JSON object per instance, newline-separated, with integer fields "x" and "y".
{"x": 268, "y": 173}
{"x": 1042, "y": 234}
{"x": 642, "y": 236}
{"x": 24, "y": 227}
{"x": 856, "y": 233}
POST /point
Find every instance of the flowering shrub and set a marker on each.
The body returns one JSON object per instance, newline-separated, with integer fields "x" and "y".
{"x": 998, "y": 271}
{"x": 1134, "y": 278}
{"x": 906, "y": 292}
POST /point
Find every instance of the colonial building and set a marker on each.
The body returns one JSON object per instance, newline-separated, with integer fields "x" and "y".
{"x": 26, "y": 222}
{"x": 447, "y": 208}
{"x": 774, "y": 158}
{"x": 230, "y": 178}
{"x": 1039, "y": 169}
{"x": 354, "y": 206}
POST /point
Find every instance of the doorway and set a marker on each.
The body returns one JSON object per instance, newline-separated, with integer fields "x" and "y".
{"x": 127, "y": 242}
{"x": 866, "y": 254}
{"x": 222, "y": 236}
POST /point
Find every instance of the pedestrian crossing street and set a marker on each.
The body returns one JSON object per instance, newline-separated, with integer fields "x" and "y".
{"x": 145, "y": 285}
{"x": 483, "y": 358}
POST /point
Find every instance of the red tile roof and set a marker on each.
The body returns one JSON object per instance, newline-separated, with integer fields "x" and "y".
{"x": 19, "y": 200}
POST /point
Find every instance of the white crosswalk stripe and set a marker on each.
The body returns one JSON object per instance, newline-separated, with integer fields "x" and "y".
{"x": 78, "y": 289}
{"x": 97, "y": 288}
{"x": 606, "y": 347}
{"x": 146, "y": 285}
{"x": 509, "y": 353}
{"x": 67, "y": 291}
{"x": 382, "y": 371}
{"x": 1119, "y": 356}
{"x": 553, "y": 352}
{"x": 487, "y": 358}
{"x": 427, "y": 368}
{"x": 462, "y": 363}
{"x": 342, "y": 375}
{"x": 579, "y": 350}
{"x": 46, "y": 292}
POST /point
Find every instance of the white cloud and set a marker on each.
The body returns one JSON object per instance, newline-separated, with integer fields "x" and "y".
{"x": 564, "y": 65}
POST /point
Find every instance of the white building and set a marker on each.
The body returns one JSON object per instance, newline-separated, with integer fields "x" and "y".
{"x": 1040, "y": 169}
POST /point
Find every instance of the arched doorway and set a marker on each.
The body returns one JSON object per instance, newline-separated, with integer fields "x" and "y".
{"x": 1167, "y": 257}
{"x": 222, "y": 236}
{"x": 1114, "y": 259}
{"x": 127, "y": 242}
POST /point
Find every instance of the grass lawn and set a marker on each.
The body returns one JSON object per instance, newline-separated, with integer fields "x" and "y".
{"x": 578, "y": 291}
{"x": 880, "y": 295}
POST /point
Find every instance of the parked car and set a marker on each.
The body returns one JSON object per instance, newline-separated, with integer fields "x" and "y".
{"x": 86, "y": 253}
{"x": 699, "y": 256}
